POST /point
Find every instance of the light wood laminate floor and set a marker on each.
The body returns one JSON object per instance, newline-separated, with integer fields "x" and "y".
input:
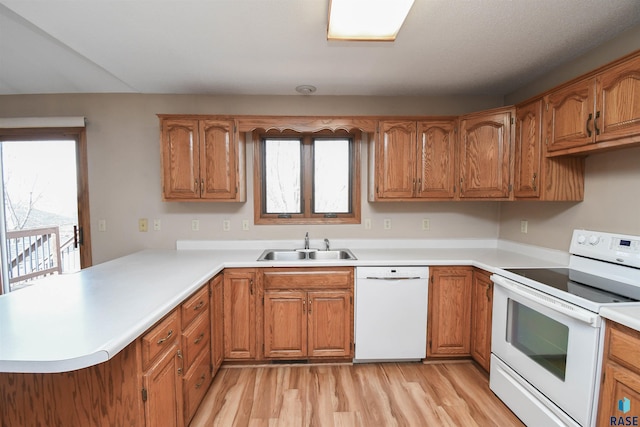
{"x": 360, "y": 395}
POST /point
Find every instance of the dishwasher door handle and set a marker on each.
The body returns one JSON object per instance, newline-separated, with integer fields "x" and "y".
{"x": 394, "y": 278}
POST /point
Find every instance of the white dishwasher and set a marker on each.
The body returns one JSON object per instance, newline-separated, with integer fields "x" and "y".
{"x": 391, "y": 313}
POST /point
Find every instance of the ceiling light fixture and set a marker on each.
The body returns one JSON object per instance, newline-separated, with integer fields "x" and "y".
{"x": 366, "y": 20}
{"x": 305, "y": 89}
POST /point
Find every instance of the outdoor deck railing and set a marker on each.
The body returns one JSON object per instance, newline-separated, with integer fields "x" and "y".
{"x": 37, "y": 252}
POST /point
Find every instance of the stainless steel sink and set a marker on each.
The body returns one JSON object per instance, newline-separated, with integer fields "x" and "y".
{"x": 332, "y": 254}
{"x": 306, "y": 254}
{"x": 282, "y": 255}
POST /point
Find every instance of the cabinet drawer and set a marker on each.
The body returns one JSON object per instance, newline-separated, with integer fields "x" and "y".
{"x": 160, "y": 337}
{"x": 196, "y": 304}
{"x": 195, "y": 338}
{"x": 195, "y": 385}
{"x": 308, "y": 278}
{"x": 622, "y": 345}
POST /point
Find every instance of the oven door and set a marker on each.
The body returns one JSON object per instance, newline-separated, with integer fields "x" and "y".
{"x": 551, "y": 344}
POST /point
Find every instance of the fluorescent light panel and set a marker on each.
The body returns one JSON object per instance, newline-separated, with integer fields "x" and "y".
{"x": 366, "y": 20}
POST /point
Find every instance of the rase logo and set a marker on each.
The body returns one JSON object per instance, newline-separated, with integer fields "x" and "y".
{"x": 624, "y": 406}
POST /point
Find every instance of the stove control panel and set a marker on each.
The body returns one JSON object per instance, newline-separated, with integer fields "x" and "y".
{"x": 617, "y": 248}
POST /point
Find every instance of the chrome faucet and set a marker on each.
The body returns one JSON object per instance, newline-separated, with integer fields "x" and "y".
{"x": 306, "y": 240}
{"x": 326, "y": 244}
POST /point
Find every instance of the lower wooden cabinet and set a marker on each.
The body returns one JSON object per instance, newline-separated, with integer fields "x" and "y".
{"x": 481, "y": 310}
{"x": 196, "y": 349}
{"x": 620, "y": 388}
{"x": 308, "y": 313}
{"x": 217, "y": 322}
{"x": 300, "y": 324}
{"x": 195, "y": 384}
{"x": 449, "y": 318}
{"x": 162, "y": 390}
{"x": 240, "y": 289}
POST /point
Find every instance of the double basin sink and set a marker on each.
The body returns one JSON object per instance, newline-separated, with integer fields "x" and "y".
{"x": 306, "y": 254}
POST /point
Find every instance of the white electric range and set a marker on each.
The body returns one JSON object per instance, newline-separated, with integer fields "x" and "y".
{"x": 547, "y": 334}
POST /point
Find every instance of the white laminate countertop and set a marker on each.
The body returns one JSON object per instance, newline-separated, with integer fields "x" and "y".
{"x": 73, "y": 321}
{"x": 625, "y": 315}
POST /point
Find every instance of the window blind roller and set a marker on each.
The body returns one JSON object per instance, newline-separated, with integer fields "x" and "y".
{"x": 41, "y": 122}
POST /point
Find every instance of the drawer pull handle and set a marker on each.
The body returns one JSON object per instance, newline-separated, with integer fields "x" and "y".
{"x": 199, "y": 306}
{"x": 199, "y": 383}
{"x": 180, "y": 368}
{"x": 197, "y": 340}
{"x": 162, "y": 340}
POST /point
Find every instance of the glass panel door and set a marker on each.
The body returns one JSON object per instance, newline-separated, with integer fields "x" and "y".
{"x": 40, "y": 209}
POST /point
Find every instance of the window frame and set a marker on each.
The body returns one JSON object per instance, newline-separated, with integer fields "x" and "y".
{"x": 306, "y": 216}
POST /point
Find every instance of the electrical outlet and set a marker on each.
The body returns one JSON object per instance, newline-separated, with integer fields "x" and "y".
{"x": 143, "y": 225}
{"x": 367, "y": 223}
{"x": 102, "y": 225}
{"x": 226, "y": 225}
{"x": 195, "y": 225}
{"x": 156, "y": 225}
{"x": 524, "y": 226}
{"x": 425, "y": 224}
{"x": 245, "y": 224}
{"x": 387, "y": 224}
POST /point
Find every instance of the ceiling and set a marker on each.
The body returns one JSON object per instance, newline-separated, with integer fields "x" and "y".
{"x": 268, "y": 47}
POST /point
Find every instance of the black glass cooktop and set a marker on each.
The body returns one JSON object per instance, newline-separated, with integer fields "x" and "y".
{"x": 584, "y": 285}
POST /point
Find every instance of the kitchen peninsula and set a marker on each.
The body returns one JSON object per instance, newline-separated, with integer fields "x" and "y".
{"x": 65, "y": 342}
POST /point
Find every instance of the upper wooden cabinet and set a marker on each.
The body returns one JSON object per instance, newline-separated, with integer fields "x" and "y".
{"x": 436, "y": 159}
{"x": 536, "y": 176}
{"x": 486, "y": 141}
{"x": 202, "y": 159}
{"x": 413, "y": 160}
{"x": 597, "y": 113}
{"x": 395, "y": 154}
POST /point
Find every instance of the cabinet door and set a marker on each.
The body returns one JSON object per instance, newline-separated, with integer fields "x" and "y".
{"x": 285, "y": 324}
{"x": 619, "y": 383}
{"x": 330, "y": 317}
{"x": 435, "y": 167}
{"x": 481, "y": 308}
{"x": 217, "y": 322}
{"x": 218, "y": 159}
{"x": 180, "y": 159}
{"x": 239, "y": 314}
{"x": 163, "y": 403}
{"x": 569, "y": 116}
{"x": 485, "y": 153}
{"x": 528, "y": 145}
{"x": 618, "y": 102}
{"x": 396, "y": 160}
{"x": 448, "y": 327}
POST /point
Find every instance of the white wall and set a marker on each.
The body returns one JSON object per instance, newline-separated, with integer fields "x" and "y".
{"x": 611, "y": 203}
{"x": 123, "y": 137}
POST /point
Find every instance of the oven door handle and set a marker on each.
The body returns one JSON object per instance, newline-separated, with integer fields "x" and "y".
{"x": 548, "y": 301}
